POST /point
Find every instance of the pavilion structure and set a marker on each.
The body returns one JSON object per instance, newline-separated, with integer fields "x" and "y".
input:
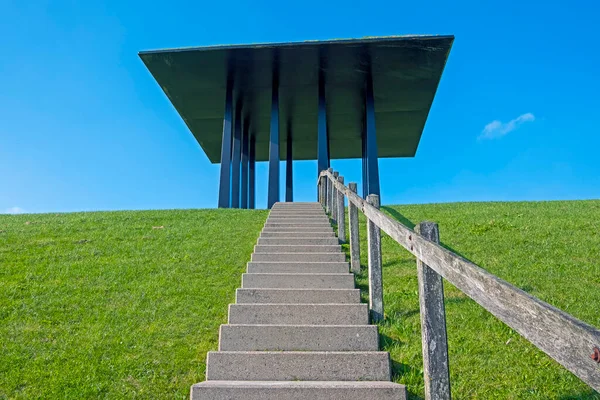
{"x": 356, "y": 98}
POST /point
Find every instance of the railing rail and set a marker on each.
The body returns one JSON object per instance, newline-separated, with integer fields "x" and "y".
{"x": 568, "y": 340}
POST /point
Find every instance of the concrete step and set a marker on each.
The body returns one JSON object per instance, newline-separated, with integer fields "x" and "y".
{"x": 297, "y": 296}
{"x": 286, "y": 213}
{"x": 297, "y": 281}
{"x": 298, "y": 249}
{"x": 298, "y": 234}
{"x": 298, "y": 218}
{"x": 297, "y": 214}
{"x": 297, "y": 390}
{"x": 289, "y": 228}
{"x": 299, "y": 314}
{"x": 313, "y": 204}
{"x": 297, "y": 221}
{"x": 298, "y": 267}
{"x": 297, "y": 225}
{"x": 311, "y": 215}
{"x": 297, "y": 209}
{"x": 280, "y": 241}
{"x": 297, "y": 366}
{"x": 302, "y": 257}
{"x": 298, "y": 338}
{"x": 297, "y": 204}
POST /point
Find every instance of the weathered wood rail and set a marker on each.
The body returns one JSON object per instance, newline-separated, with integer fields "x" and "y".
{"x": 571, "y": 342}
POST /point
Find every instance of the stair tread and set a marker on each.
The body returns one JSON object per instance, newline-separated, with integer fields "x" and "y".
{"x": 297, "y": 390}
{"x": 301, "y": 337}
{"x": 298, "y": 365}
{"x": 298, "y": 314}
{"x": 297, "y": 296}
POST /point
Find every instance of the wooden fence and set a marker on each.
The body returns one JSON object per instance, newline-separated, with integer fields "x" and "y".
{"x": 571, "y": 342}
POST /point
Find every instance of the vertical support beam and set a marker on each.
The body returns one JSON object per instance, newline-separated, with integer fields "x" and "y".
{"x": 245, "y": 148}
{"x": 329, "y": 189}
{"x": 372, "y": 169}
{"x": 236, "y": 157}
{"x": 289, "y": 175}
{"x": 341, "y": 213}
{"x": 225, "y": 175}
{"x": 365, "y": 182}
{"x": 375, "y": 273}
{"x": 334, "y": 196}
{"x": 322, "y": 137}
{"x": 433, "y": 323}
{"x": 354, "y": 235}
{"x": 273, "y": 191}
{"x": 252, "y": 174}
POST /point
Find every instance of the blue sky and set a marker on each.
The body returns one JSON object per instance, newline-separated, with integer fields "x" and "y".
{"x": 84, "y": 126}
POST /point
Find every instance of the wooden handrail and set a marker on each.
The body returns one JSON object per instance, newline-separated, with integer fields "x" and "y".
{"x": 568, "y": 340}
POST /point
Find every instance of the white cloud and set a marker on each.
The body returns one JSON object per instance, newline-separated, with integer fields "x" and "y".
{"x": 497, "y": 129}
{"x": 14, "y": 210}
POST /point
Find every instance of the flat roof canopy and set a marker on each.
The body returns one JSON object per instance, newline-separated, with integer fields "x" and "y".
{"x": 406, "y": 71}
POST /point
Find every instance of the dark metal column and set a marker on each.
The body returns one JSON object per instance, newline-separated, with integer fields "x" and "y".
{"x": 251, "y": 174}
{"x": 322, "y": 139}
{"x": 225, "y": 175}
{"x": 245, "y": 145}
{"x": 371, "y": 141}
{"x": 365, "y": 183}
{"x": 235, "y": 158}
{"x": 273, "y": 191}
{"x": 289, "y": 178}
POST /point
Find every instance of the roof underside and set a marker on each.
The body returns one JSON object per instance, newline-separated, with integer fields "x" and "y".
{"x": 406, "y": 72}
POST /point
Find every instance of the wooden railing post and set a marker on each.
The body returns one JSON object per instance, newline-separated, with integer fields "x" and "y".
{"x": 329, "y": 192}
{"x": 433, "y": 323}
{"x": 322, "y": 186}
{"x": 319, "y": 186}
{"x": 354, "y": 235}
{"x": 334, "y": 199}
{"x": 375, "y": 272}
{"x": 341, "y": 217}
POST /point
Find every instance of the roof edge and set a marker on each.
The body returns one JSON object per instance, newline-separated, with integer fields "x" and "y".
{"x": 366, "y": 39}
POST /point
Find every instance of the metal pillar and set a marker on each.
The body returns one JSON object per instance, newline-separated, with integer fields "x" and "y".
{"x": 251, "y": 174}
{"x": 322, "y": 140}
{"x": 236, "y": 157}
{"x": 365, "y": 183}
{"x": 273, "y": 193}
{"x": 224, "y": 180}
{"x": 245, "y": 146}
{"x": 372, "y": 168}
{"x": 289, "y": 178}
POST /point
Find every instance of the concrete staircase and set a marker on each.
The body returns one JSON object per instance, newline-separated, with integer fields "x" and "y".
{"x": 298, "y": 329}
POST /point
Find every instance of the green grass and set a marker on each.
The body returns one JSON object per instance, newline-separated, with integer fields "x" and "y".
{"x": 116, "y": 305}
{"x": 126, "y": 304}
{"x": 549, "y": 249}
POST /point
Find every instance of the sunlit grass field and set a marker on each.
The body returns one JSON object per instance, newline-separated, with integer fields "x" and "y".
{"x": 549, "y": 249}
{"x": 116, "y": 305}
{"x": 121, "y": 305}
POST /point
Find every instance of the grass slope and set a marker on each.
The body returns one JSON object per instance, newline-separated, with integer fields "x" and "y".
{"x": 549, "y": 249}
{"x": 116, "y": 304}
{"x": 126, "y": 304}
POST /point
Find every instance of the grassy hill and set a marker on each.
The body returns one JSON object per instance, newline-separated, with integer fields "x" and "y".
{"x": 126, "y": 304}
{"x": 116, "y": 304}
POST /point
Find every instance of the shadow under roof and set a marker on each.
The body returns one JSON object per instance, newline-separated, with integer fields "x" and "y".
{"x": 406, "y": 71}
